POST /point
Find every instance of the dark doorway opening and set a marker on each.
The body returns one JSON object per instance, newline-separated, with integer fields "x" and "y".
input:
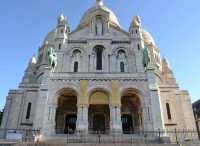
{"x": 99, "y": 123}
{"x": 99, "y": 119}
{"x": 70, "y": 124}
{"x": 127, "y": 123}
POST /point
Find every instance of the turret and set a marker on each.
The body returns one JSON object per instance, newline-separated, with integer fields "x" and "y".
{"x": 62, "y": 25}
{"x": 135, "y": 28}
{"x": 29, "y": 75}
{"x": 62, "y": 31}
{"x": 136, "y": 42}
{"x": 42, "y": 54}
{"x": 168, "y": 76}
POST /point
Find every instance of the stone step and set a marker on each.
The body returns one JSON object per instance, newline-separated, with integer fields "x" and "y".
{"x": 76, "y": 144}
{"x": 102, "y": 139}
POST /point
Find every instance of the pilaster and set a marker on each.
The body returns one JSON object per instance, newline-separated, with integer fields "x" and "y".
{"x": 156, "y": 109}
{"x": 82, "y": 106}
{"x": 115, "y": 99}
{"x": 83, "y": 98}
{"x": 115, "y": 108}
{"x": 82, "y": 119}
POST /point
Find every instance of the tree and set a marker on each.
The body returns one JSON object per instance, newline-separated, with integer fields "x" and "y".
{"x": 1, "y": 116}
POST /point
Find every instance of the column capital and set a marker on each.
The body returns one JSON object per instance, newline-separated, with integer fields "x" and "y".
{"x": 82, "y": 105}
{"x": 53, "y": 105}
{"x": 115, "y": 105}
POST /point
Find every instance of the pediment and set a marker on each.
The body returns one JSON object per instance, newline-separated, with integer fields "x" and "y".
{"x": 113, "y": 33}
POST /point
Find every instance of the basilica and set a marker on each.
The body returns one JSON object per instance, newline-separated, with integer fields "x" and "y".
{"x": 98, "y": 77}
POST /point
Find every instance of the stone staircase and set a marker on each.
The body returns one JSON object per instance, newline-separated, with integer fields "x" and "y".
{"x": 100, "y": 140}
{"x": 73, "y": 144}
{"x": 62, "y": 144}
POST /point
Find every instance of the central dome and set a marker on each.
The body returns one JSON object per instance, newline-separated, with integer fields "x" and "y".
{"x": 95, "y": 10}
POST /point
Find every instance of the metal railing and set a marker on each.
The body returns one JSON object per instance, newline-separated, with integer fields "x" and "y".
{"x": 175, "y": 136}
{"x": 25, "y": 135}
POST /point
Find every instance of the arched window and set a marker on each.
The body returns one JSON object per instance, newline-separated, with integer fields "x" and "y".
{"x": 75, "y": 66}
{"x": 76, "y": 60}
{"x": 99, "y": 55}
{"x": 168, "y": 111}
{"x": 59, "y": 46}
{"x": 138, "y": 46}
{"x": 28, "y": 112}
{"x": 121, "y": 60}
{"x": 122, "y": 69}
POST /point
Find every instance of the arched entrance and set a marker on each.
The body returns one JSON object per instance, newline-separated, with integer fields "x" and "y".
{"x": 131, "y": 113}
{"x": 99, "y": 112}
{"x": 66, "y": 113}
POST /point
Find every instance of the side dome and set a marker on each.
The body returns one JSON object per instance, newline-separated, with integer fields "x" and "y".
{"x": 50, "y": 37}
{"x": 95, "y": 10}
{"x": 147, "y": 37}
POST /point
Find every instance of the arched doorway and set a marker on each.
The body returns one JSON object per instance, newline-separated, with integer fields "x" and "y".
{"x": 131, "y": 113}
{"x": 66, "y": 113}
{"x": 99, "y": 112}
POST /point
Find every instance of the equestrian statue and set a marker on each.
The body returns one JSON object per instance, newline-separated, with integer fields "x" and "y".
{"x": 51, "y": 58}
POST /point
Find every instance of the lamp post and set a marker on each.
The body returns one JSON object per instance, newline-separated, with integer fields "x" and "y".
{"x": 196, "y": 120}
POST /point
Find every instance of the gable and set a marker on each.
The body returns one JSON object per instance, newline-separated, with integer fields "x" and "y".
{"x": 85, "y": 33}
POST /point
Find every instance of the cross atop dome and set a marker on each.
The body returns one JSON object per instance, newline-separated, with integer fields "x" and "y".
{"x": 99, "y": 2}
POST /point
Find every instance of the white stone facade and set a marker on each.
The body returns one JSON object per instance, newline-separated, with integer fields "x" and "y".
{"x": 120, "y": 69}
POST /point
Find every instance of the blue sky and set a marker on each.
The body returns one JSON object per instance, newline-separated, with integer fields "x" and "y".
{"x": 174, "y": 24}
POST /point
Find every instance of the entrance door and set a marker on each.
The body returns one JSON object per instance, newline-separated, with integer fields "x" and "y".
{"x": 99, "y": 123}
{"x": 127, "y": 123}
{"x": 70, "y": 124}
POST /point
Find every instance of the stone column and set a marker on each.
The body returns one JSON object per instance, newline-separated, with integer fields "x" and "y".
{"x": 139, "y": 65}
{"x": 82, "y": 119}
{"x": 156, "y": 109}
{"x": 115, "y": 119}
{"x": 49, "y": 107}
{"x": 49, "y": 123}
{"x": 82, "y": 105}
{"x": 141, "y": 119}
{"x": 115, "y": 109}
{"x": 40, "y": 108}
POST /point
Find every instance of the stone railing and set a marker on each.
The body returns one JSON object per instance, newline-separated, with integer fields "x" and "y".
{"x": 96, "y": 75}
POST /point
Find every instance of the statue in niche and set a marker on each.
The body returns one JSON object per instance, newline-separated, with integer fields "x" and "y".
{"x": 99, "y": 26}
{"x": 146, "y": 58}
{"x": 77, "y": 54}
{"x": 121, "y": 54}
